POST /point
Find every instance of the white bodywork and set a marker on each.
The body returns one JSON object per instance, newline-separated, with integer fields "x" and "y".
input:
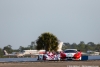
{"x": 70, "y": 55}
{"x": 49, "y": 57}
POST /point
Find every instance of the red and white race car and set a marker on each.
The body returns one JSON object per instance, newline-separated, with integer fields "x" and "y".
{"x": 70, "y": 54}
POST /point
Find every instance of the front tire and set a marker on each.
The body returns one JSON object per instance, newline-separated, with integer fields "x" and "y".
{"x": 38, "y": 58}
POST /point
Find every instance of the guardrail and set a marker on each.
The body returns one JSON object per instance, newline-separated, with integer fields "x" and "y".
{"x": 94, "y": 57}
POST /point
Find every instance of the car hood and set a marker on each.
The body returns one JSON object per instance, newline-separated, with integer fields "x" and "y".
{"x": 70, "y": 54}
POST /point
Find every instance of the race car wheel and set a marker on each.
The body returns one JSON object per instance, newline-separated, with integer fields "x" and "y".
{"x": 38, "y": 58}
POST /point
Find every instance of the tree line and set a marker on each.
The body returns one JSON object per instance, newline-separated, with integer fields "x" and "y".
{"x": 90, "y": 46}
{"x": 81, "y": 46}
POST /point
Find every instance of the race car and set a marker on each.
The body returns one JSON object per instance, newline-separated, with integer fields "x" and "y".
{"x": 70, "y": 54}
{"x": 49, "y": 56}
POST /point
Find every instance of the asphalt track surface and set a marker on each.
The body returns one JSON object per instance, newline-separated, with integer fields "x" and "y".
{"x": 88, "y": 63}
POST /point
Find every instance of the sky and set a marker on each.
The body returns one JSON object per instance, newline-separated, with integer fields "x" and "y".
{"x": 23, "y": 21}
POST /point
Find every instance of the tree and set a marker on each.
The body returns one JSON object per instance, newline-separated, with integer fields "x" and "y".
{"x": 98, "y": 47}
{"x": 92, "y": 45}
{"x": 74, "y": 46}
{"x": 33, "y": 45}
{"x": 8, "y": 48}
{"x": 81, "y": 46}
{"x": 47, "y": 41}
{"x": 21, "y": 48}
{"x": 1, "y": 53}
{"x": 65, "y": 46}
{"x": 87, "y": 47}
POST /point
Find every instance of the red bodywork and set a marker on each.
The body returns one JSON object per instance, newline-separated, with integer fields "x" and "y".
{"x": 77, "y": 55}
{"x": 62, "y": 55}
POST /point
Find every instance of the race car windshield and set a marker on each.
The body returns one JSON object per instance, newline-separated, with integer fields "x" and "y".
{"x": 70, "y": 51}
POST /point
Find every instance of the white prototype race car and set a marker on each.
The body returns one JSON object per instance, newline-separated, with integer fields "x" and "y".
{"x": 49, "y": 56}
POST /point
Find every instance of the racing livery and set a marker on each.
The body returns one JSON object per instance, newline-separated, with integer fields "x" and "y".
{"x": 48, "y": 56}
{"x": 70, "y": 54}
